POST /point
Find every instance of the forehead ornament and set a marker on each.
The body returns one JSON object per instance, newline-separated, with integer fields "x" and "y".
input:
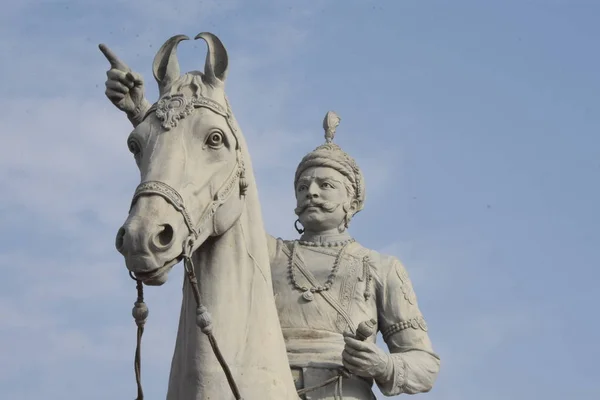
{"x": 171, "y": 109}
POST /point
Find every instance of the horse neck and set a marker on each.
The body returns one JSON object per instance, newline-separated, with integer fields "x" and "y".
{"x": 227, "y": 271}
{"x": 235, "y": 284}
{"x": 234, "y": 278}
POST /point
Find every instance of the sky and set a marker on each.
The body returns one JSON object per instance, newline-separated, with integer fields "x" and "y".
{"x": 476, "y": 124}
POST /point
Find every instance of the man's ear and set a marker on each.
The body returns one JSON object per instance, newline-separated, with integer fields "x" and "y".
{"x": 350, "y": 209}
{"x": 354, "y": 206}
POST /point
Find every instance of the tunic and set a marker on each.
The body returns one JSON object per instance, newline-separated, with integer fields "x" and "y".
{"x": 367, "y": 285}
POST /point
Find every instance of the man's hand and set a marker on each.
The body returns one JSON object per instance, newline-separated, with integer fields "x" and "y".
{"x": 365, "y": 359}
{"x": 124, "y": 88}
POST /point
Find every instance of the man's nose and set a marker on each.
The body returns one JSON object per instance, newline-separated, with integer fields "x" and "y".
{"x": 312, "y": 191}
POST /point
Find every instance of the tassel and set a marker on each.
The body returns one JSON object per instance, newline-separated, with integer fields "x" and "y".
{"x": 243, "y": 182}
{"x": 367, "y": 277}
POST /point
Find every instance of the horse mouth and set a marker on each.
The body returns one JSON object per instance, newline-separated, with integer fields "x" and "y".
{"x": 155, "y": 273}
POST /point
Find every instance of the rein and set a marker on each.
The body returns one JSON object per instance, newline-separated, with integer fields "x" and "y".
{"x": 171, "y": 109}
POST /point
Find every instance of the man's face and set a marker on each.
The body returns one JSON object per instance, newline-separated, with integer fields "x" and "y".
{"x": 320, "y": 196}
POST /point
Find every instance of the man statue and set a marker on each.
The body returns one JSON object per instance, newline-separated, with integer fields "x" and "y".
{"x": 326, "y": 284}
{"x": 332, "y": 294}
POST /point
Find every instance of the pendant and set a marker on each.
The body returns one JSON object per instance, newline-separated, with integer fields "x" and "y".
{"x": 308, "y": 295}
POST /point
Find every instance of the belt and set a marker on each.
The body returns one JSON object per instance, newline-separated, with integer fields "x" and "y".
{"x": 298, "y": 374}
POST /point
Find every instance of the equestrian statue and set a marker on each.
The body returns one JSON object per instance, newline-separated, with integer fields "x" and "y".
{"x": 261, "y": 317}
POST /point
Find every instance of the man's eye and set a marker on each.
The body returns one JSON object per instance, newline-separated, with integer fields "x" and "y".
{"x": 327, "y": 185}
{"x": 302, "y": 188}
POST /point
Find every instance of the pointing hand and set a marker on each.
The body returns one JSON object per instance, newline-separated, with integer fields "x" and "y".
{"x": 124, "y": 88}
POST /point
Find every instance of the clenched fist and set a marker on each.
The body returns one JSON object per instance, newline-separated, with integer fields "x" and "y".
{"x": 365, "y": 359}
{"x": 124, "y": 88}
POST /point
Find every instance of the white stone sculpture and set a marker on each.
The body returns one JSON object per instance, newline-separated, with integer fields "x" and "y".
{"x": 331, "y": 293}
{"x": 327, "y": 286}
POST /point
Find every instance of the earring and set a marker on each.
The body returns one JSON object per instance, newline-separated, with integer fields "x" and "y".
{"x": 348, "y": 210}
{"x": 299, "y": 230}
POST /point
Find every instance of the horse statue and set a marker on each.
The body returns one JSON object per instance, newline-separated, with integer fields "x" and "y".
{"x": 198, "y": 202}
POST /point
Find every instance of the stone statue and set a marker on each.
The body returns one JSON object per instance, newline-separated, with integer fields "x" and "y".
{"x": 197, "y": 202}
{"x": 330, "y": 293}
{"x": 326, "y": 283}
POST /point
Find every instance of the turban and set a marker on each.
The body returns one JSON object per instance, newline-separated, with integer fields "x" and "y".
{"x": 331, "y": 155}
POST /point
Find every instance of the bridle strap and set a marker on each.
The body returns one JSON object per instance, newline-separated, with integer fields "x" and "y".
{"x": 169, "y": 194}
{"x": 173, "y": 197}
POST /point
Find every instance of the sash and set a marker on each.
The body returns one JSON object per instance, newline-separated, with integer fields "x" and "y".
{"x": 333, "y": 302}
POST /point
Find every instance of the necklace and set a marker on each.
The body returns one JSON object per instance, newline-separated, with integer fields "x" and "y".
{"x": 325, "y": 244}
{"x": 308, "y": 293}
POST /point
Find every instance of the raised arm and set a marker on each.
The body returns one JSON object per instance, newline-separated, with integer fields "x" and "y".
{"x": 125, "y": 88}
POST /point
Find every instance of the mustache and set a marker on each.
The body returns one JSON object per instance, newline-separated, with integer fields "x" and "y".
{"x": 326, "y": 206}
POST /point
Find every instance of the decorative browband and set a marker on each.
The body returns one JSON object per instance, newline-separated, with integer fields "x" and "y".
{"x": 172, "y": 108}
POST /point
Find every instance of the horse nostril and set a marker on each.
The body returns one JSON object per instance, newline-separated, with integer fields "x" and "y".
{"x": 119, "y": 240}
{"x": 164, "y": 238}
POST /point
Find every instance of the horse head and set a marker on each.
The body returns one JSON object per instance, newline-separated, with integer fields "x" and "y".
{"x": 191, "y": 164}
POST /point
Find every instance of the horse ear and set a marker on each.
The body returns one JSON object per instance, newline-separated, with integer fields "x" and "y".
{"x": 166, "y": 66}
{"x": 217, "y": 61}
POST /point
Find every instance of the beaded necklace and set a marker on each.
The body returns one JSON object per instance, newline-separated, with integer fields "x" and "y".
{"x": 308, "y": 293}
{"x": 325, "y": 244}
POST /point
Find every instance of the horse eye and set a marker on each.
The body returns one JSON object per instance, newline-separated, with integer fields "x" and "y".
{"x": 215, "y": 139}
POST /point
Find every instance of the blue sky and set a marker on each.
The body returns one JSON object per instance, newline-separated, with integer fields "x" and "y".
{"x": 476, "y": 124}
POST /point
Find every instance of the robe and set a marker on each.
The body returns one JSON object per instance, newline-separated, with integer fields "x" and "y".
{"x": 367, "y": 285}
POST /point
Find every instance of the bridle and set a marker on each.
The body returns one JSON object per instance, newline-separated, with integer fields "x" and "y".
{"x": 170, "y": 110}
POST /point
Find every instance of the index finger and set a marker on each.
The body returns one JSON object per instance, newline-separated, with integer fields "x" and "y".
{"x": 112, "y": 58}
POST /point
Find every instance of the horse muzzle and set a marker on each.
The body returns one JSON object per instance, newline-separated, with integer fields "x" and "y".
{"x": 151, "y": 239}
